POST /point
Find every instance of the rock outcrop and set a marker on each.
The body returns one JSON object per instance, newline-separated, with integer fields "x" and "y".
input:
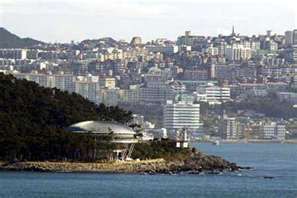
{"x": 197, "y": 163}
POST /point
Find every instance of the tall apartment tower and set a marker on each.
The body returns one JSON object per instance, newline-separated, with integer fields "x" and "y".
{"x": 87, "y": 87}
{"x": 181, "y": 115}
{"x": 289, "y": 37}
{"x": 295, "y": 37}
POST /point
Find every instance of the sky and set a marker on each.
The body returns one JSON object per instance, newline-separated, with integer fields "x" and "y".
{"x": 67, "y": 20}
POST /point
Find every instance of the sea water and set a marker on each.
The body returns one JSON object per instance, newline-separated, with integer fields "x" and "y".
{"x": 274, "y": 176}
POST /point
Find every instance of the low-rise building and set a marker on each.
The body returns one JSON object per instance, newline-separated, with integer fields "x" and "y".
{"x": 273, "y": 130}
{"x": 228, "y": 128}
{"x": 213, "y": 94}
{"x": 290, "y": 97}
{"x": 13, "y": 54}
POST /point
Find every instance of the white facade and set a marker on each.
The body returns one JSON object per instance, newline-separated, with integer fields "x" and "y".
{"x": 212, "y": 50}
{"x": 64, "y": 82}
{"x": 273, "y": 130}
{"x": 237, "y": 52}
{"x": 181, "y": 115}
{"x": 88, "y": 88}
{"x": 167, "y": 49}
{"x": 213, "y": 94}
{"x": 18, "y": 54}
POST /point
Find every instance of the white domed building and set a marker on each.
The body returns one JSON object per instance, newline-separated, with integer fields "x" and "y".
{"x": 120, "y": 135}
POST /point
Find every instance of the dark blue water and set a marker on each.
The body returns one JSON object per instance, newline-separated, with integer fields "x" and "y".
{"x": 276, "y": 160}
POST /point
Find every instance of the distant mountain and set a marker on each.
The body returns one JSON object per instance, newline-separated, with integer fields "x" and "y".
{"x": 10, "y": 40}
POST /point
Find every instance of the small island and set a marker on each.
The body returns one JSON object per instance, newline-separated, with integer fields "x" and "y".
{"x": 35, "y": 135}
{"x": 163, "y": 158}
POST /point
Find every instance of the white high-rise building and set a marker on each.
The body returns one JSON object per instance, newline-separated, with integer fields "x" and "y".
{"x": 89, "y": 88}
{"x": 64, "y": 82}
{"x": 237, "y": 52}
{"x": 181, "y": 115}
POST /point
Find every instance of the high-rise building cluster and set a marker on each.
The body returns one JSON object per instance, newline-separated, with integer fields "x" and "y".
{"x": 191, "y": 72}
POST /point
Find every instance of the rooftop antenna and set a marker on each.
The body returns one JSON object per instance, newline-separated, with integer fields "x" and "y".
{"x": 233, "y": 31}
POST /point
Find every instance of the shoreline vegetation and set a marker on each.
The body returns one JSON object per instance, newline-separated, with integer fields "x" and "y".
{"x": 194, "y": 164}
{"x": 155, "y": 157}
{"x": 33, "y": 136}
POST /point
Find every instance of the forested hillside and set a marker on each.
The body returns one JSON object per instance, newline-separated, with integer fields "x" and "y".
{"x": 33, "y": 118}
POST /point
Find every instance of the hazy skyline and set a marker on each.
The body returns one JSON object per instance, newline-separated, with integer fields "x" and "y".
{"x": 66, "y": 20}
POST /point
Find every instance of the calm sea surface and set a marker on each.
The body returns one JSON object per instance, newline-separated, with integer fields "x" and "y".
{"x": 269, "y": 160}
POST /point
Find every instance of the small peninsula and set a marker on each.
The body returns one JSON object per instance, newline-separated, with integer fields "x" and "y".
{"x": 34, "y": 137}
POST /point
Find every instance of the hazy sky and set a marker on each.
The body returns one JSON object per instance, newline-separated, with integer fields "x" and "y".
{"x": 66, "y": 20}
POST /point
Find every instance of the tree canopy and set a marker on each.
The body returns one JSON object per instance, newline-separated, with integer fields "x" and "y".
{"x": 33, "y": 119}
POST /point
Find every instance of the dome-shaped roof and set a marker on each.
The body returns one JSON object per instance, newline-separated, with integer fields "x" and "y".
{"x": 154, "y": 70}
{"x": 101, "y": 127}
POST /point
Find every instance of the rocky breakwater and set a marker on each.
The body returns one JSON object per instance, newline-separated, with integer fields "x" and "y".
{"x": 196, "y": 163}
{"x": 133, "y": 166}
{"x": 199, "y": 162}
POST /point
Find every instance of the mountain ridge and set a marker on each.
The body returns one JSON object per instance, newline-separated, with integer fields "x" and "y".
{"x": 10, "y": 40}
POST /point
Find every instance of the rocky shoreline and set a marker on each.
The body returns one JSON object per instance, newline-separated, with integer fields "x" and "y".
{"x": 195, "y": 164}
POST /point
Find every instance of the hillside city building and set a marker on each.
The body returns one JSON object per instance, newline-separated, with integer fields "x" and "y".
{"x": 203, "y": 70}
